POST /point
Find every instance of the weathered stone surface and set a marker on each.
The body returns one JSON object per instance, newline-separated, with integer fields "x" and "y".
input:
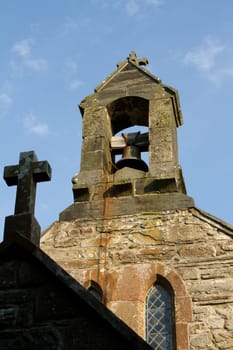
{"x": 47, "y": 309}
{"x": 25, "y": 175}
{"x": 197, "y": 251}
{"x": 189, "y": 274}
{"x": 184, "y": 310}
{"x": 119, "y": 253}
{"x": 128, "y": 311}
{"x": 213, "y": 286}
{"x": 223, "y": 339}
{"x": 146, "y": 229}
{"x": 182, "y": 336}
{"x": 201, "y": 341}
{"x": 129, "y": 283}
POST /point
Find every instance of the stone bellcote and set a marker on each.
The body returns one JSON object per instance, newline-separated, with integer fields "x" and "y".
{"x": 130, "y": 96}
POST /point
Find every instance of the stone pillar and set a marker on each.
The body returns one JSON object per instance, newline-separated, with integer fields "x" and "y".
{"x": 163, "y": 139}
{"x": 96, "y": 156}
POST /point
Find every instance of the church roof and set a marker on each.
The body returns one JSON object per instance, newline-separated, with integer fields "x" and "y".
{"x": 22, "y": 248}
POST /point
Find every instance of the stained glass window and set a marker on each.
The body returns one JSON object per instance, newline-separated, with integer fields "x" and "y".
{"x": 159, "y": 322}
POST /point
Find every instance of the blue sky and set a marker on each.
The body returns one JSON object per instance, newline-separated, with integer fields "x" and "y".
{"x": 53, "y": 53}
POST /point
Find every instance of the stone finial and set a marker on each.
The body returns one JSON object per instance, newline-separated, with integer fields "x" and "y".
{"x": 135, "y": 60}
{"x": 138, "y": 61}
{"x": 25, "y": 175}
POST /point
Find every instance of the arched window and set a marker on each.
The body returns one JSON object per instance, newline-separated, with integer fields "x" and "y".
{"x": 159, "y": 318}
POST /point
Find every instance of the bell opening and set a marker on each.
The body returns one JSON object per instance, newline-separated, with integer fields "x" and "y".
{"x": 131, "y": 158}
{"x": 130, "y": 148}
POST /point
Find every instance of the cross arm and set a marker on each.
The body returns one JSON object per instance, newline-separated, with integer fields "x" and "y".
{"x": 42, "y": 171}
{"x": 10, "y": 174}
{"x": 25, "y": 176}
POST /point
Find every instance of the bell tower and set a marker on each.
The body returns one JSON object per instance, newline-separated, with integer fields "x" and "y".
{"x": 129, "y": 97}
{"x": 120, "y": 237}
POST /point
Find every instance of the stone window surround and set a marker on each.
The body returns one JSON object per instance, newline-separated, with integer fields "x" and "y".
{"x": 182, "y": 304}
{"x": 182, "y": 301}
{"x": 169, "y": 302}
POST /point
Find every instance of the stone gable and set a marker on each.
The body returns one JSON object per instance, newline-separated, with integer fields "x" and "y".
{"x": 123, "y": 255}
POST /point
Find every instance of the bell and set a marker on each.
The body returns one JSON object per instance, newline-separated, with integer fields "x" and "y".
{"x": 131, "y": 158}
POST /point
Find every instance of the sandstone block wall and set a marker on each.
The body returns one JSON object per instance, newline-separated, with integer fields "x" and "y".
{"x": 125, "y": 255}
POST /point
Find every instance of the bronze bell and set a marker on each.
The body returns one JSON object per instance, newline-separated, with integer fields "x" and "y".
{"x": 131, "y": 158}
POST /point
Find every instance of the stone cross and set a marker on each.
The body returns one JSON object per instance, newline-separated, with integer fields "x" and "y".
{"x": 134, "y": 59}
{"x": 25, "y": 175}
{"x": 138, "y": 61}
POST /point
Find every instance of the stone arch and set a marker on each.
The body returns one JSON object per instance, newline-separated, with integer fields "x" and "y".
{"x": 182, "y": 302}
{"x": 159, "y": 315}
{"x": 128, "y": 111}
{"x": 126, "y": 290}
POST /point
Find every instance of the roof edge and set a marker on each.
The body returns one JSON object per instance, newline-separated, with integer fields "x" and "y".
{"x": 120, "y": 67}
{"x": 118, "y": 325}
{"x": 209, "y": 218}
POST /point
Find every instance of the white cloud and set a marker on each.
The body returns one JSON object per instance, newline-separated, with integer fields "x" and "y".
{"x": 76, "y": 84}
{"x": 228, "y": 72}
{"x": 33, "y": 126}
{"x": 23, "y": 50}
{"x": 131, "y": 7}
{"x": 36, "y": 64}
{"x": 204, "y": 56}
{"x": 220, "y": 75}
{"x": 70, "y": 24}
{"x": 71, "y": 72}
{"x": 154, "y": 2}
{"x": 209, "y": 60}
{"x": 5, "y": 103}
{"x": 5, "y": 99}
{"x": 71, "y": 66}
{"x": 22, "y": 47}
